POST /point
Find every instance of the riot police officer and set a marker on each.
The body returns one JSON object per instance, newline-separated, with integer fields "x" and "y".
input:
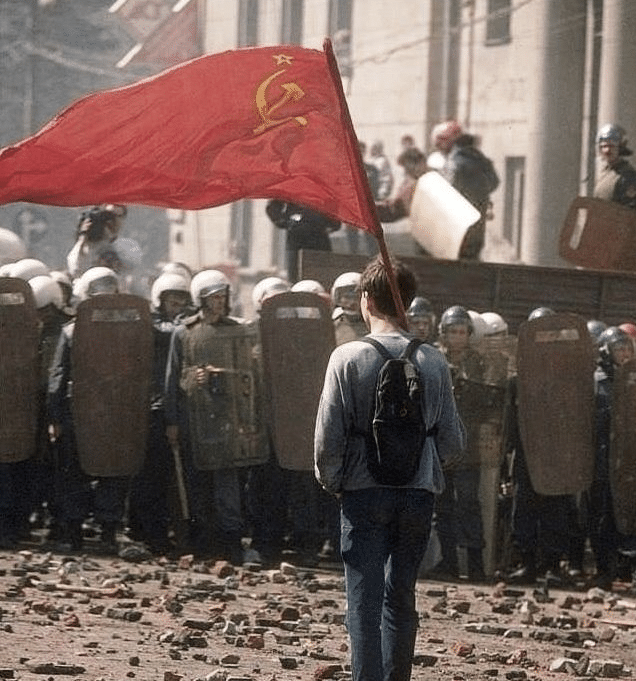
{"x": 617, "y": 177}
{"x": 148, "y": 512}
{"x": 615, "y": 348}
{"x": 421, "y": 319}
{"x": 208, "y": 352}
{"x": 347, "y": 318}
{"x": 77, "y": 496}
{"x": 458, "y": 509}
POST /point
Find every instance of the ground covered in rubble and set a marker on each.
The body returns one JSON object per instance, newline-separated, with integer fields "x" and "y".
{"x": 138, "y": 617}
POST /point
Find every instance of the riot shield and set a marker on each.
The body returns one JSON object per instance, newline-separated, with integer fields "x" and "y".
{"x": 555, "y": 364}
{"x": 298, "y": 336}
{"x": 440, "y": 216}
{"x": 225, "y": 414}
{"x": 599, "y": 234}
{"x": 622, "y": 453}
{"x": 111, "y": 364}
{"x": 19, "y": 371}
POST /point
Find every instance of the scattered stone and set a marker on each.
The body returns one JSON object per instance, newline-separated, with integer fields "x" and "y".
{"x": 605, "y": 668}
{"x": 327, "y": 672}
{"x": 53, "y": 668}
{"x": 463, "y": 649}
{"x": 288, "y": 662}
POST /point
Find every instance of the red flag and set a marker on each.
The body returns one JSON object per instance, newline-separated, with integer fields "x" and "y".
{"x": 267, "y": 122}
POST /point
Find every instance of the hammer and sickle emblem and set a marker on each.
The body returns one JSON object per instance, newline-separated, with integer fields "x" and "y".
{"x": 292, "y": 93}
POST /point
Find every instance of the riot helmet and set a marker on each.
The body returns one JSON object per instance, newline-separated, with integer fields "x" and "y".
{"x": 457, "y": 315}
{"x": 613, "y": 134}
{"x": 265, "y": 288}
{"x": 480, "y": 328}
{"x": 12, "y": 247}
{"x": 27, "y": 268}
{"x": 420, "y": 307}
{"x": 421, "y": 318}
{"x": 168, "y": 283}
{"x": 345, "y": 283}
{"x": 595, "y": 328}
{"x": 539, "y": 312}
{"x": 308, "y": 286}
{"x": 497, "y": 325}
{"x": 96, "y": 281}
{"x": 178, "y": 268}
{"x": 615, "y": 345}
{"x": 345, "y": 294}
{"x": 207, "y": 283}
{"x": 46, "y": 291}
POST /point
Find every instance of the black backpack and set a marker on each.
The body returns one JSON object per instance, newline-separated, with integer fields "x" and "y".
{"x": 396, "y": 434}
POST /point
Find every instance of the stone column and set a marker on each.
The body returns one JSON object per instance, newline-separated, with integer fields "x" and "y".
{"x": 553, "y": 164}
{"x": 617, "y": 97}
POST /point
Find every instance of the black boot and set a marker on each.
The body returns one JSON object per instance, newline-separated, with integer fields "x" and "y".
{"x": 109, "y": 537}
{"x": 526, "y": 573}
{"x": 475, "y": 566}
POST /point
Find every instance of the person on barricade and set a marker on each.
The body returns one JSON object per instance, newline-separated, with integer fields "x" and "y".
{"x": 421, "y": 319}
{"x": 458, "y": 519}
{"x": 148, "y": 510}
{"x": 615, "y": 348}
{"x": 414, "y": 163}
{"x": 384, "y": 529}
{"x": 347, "y": 318}
{"x": 383, "y": 167}
{"x": 541, "y": 524}
{"x": 473, "y": 175}
{"x": 306, "y": 229}
{"x": 97, "y": 230}
{"x": 77, "y": 497}
{"x": 206, "y": 352}
{"x": 617, "y": 177}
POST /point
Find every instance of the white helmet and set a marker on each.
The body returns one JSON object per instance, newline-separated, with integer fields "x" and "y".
{"x": 167, "y": 282}
{"x": 265, "y": 288}
{"x": 46, "y": 291}
{"x": 12, "y": 247}
{"x": 177, "y": 268}
{"x": 62, "y": 278}
{"x": 308, "y": 286}
{"x": 480, "y": 328}
{"x": 94, "y": 281}
{"x": 128, "y": 251}
{"x": 5, "y": 270}
{"x": 206, "y": 283}
{"x": 497, "y": 326}
{"x": 27, "y": 268}
{"x": 346, "y": 281}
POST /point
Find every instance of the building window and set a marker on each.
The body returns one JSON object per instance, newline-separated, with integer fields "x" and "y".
{"x": 291, "y": 30}
{"x": 241, "y": 232}
{"x": 247, "y": 23}
{"x": 513, "y": 201}
{"x": 339, "y": 29}
{"x": 498, "y": 22}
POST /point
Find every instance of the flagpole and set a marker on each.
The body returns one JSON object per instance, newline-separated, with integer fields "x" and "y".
{"x": 378, "y": 232}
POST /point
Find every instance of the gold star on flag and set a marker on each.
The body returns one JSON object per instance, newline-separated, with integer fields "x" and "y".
{"x": 282, "y": 59}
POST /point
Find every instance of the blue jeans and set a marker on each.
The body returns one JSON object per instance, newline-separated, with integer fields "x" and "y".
{"x": 384, "y": 533}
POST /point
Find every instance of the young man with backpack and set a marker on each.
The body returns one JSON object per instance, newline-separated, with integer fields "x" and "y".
{"x": 386, "y": 500}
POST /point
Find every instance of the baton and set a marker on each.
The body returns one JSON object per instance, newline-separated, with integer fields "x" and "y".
{"x": 181, "y": 488}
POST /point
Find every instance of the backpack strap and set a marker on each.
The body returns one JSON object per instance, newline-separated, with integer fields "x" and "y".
{"x": 413, "y": 345}
{"x": 410, "y": 349}
{"x": 386, "y": 355}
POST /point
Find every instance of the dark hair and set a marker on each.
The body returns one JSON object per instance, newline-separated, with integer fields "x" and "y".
{"x": 375, "y": 283}
{"x": 93, "y": 222}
